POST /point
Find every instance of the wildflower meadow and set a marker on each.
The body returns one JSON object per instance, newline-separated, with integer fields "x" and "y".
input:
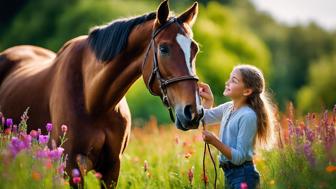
{"x": 158, "y": 156}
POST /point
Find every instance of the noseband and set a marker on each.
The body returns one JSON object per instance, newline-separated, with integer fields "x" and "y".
{"x": 155, "y": 74}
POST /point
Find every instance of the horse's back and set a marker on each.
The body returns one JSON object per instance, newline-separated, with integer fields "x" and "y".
{"x": 21, "y": 79}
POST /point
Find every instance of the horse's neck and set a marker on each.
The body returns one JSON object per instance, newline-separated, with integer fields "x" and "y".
{"x": 110, "y": 82}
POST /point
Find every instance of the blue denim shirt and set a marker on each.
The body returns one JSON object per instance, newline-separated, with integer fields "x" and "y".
{"x": 237, "y": 131}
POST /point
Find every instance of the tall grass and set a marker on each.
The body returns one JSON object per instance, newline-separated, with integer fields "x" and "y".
{"x": 164, "y": 157}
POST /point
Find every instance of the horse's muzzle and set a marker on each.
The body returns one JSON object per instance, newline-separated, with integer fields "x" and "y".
{"x": 187, "y": 119}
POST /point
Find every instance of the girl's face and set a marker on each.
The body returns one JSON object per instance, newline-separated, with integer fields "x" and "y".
{"x": 234, "y": 87}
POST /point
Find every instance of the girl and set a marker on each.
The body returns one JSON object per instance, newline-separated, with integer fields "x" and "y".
{"x": 242, "y": 120}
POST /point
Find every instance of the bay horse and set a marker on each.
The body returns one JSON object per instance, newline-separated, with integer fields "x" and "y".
{"x": 84, "y": 84}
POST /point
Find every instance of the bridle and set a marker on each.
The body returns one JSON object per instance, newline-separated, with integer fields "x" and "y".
{"x": 164, "y": 83}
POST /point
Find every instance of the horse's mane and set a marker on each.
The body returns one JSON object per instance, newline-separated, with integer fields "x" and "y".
{"x": 109, "y": 40}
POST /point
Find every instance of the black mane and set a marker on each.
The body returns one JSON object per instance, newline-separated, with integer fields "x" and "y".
{"x": 109, "y": 40}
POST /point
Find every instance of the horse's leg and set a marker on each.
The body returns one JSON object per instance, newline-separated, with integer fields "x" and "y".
{"x": 115, "y": 143}
{"x": 111, "y": 175}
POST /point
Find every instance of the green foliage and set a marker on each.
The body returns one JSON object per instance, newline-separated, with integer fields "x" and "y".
{"x": 321, "y": 88}
{"x": 228, "y": 32}
{"x": 293, "y": 49}
{"x": 225, "y": 43}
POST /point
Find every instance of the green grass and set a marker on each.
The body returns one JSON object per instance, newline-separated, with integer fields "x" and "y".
{"x": 164, "y": 157}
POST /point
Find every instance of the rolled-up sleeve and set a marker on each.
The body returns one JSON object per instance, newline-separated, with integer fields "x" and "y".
{"x": 245, "y": 139}
{"x": 214, "y": 115}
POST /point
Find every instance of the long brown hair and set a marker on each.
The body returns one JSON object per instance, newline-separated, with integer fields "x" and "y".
{"x": 259, "y": 100}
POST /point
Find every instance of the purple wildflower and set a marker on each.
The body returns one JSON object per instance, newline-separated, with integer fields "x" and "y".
{"x": 27, "y": 140}
{"x": 42, "y": 153}
{"x": 9, "y": 122}
{"x": 43, "y": 139}
{"x": 309, "y": 153}
{"x": 309, "y": 134}
{"x": 16, "y": 145}
{"x": 75, "y": 173}
{"x": 56, "y": 154}
{"x": 49, "y": 127}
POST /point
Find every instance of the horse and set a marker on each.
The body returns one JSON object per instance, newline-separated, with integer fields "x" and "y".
{"x": 83, "y": 86}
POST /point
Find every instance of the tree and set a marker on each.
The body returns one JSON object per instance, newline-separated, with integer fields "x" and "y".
{"x": 320, "y": 91}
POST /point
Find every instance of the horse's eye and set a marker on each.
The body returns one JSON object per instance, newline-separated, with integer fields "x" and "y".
{"x": 164, "y": 49}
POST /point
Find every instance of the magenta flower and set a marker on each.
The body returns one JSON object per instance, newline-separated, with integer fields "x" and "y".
{"x": 243, "y": 185}
{"x": 49, "y": 127}
{"x": 76, "y": 180}
{"x": 43, "y": 139}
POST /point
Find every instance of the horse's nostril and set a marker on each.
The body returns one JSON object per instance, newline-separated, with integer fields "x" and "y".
{"x": 188, "y": 113}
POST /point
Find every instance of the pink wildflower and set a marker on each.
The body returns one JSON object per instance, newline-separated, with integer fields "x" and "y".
{"x": 76, "y": 180}
{"x": 243, "y": 185}
{"x": 64, "y": 128}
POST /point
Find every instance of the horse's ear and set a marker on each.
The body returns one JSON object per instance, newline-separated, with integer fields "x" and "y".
{"x": 190, "y": 15}
{"x": 162, "y": 12}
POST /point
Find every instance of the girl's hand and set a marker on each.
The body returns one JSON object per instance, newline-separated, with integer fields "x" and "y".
{"x": 209, "y": 137}
{"x": 206, "y": 94}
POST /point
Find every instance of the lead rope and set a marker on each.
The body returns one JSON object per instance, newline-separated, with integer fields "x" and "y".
{"x": 207, "y": 146}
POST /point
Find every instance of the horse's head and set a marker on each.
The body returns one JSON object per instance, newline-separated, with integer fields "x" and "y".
{"x": 169, "y": 66}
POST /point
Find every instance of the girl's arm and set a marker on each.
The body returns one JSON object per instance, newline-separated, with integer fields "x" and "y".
{"x": 213, "y": 140}
{"x": 211, "y": 115}
{"x": 206, "y": 94}
{"x": 245, "y": 140}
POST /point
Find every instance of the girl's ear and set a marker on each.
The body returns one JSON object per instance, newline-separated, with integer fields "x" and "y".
{"x": 247, "y": 92}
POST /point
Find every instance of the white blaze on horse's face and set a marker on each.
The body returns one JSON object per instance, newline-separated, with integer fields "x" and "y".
{"x": 185, "y": 44}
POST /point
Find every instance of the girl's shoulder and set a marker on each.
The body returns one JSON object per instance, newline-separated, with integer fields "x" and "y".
{"x": 248, "y": 112}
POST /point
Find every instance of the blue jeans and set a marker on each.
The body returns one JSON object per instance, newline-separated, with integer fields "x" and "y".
{"x": 243, "y": 174}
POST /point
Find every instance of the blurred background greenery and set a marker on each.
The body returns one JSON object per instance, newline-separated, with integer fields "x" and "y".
{"x": 299, "y": 61}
